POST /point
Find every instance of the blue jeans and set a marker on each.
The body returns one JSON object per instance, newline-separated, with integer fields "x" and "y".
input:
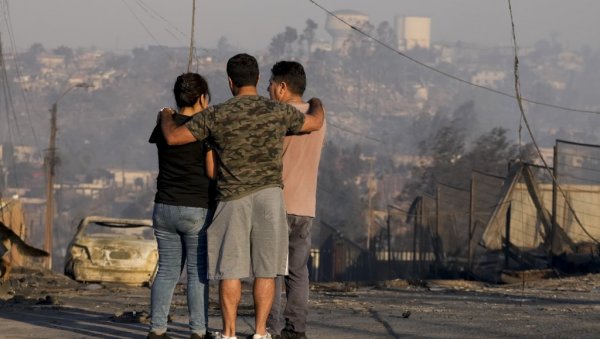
{"x": 181, "y": 235}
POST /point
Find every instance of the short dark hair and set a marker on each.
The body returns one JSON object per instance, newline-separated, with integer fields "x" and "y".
{"x": 242, "y": 69}
{"x": 188, "y": 89}
{"x": 292, "y": 73}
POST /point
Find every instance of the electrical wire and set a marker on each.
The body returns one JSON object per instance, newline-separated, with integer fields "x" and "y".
{"x": 8, "y": 20}
{"x": 137, "y": 18}
{"x": 446, "y": 74}
{"x": 524, "y": 116}
{"x": 9, "y": 107}
{"x": 157, "y": 15}
{"x": 140, "y": 22}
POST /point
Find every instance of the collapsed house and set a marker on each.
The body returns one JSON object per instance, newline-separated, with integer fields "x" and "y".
{"x": 552, "y": 224}
{"x": 535, "y": 218}
{"x": 14, "y": 250}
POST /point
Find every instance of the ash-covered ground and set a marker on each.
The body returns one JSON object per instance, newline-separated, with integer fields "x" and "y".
{"x": 43, "y": 304}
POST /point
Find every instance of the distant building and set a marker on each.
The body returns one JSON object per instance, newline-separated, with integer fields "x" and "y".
{"x": 340, "y": 32}
{"x": 413, "y": 32}
{"x": 93, "y": 189}
{"x": 411, "y": 160}
{"x": 488, "y": 78}
{"x": 14, "y": 154}
{"x": 548, "y": 154}
{"x": 78, "y": 78}
{"x": 88, "y": 60}
{"x": 320, "y": 45}
{"x": 444, "y": 54}
{"x": 570, "y": 61}
{"x": 133, "y": 180}
{"x": 51, "y": 60}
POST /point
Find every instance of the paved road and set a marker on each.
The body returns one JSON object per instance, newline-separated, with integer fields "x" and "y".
{"x": 566, "y": 308}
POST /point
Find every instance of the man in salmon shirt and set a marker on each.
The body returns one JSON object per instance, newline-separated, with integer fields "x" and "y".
{"x": 301, "y": 156}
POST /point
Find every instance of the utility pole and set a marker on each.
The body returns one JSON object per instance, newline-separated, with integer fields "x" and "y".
{"x": 50, "y": 165}
{"x": 389, "y": 247}
{"x": 189, "y": 68}
{"x": 50, "y": 171}
{"x": 372, "y": 187}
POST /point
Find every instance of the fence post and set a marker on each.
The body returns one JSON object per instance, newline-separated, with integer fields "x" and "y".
{"x": 389, "y": 247}
{"x": 437, "y": 241}
{"x": 507, "y": 238}
{"x": 554, "y": 204}
{"x": 417, "y": 221}
{"x": 470, "y": 237}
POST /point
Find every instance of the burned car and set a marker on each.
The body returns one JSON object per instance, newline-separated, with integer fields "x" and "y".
{"x": 113, "y": 250}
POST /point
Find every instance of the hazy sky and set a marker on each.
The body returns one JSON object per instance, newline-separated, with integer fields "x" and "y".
{"x": 250, "y": 24}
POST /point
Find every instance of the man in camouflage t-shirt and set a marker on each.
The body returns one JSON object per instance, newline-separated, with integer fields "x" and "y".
{"x": 248, "y": 236}
{"x": 247, "y": 130}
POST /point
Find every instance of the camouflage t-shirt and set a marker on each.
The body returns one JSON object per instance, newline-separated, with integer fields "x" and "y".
{"x": 248, "y": 133}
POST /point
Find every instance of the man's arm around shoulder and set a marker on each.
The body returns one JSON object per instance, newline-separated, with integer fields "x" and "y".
{"x": 174, "y": 135}
{"x": 315, "y": 116}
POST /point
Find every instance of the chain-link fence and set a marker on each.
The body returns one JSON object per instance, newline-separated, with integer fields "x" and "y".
{"x": 576, "y": 200}
{"x": 339, "y": 258}
{"x": 533, "y": 218}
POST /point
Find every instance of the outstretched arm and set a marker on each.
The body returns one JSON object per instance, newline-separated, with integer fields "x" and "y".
{"x": 174, "y": 135}
{"x": 314, "y": 117}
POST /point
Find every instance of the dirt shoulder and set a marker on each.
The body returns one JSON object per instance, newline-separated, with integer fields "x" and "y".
{"x": 41, "y": 304}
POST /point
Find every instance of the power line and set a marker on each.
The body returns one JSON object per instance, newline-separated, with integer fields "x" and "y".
{"x": 9, "y": 107}
{"x": 140, "y": 22}
{"x": 524, "y": 117}
{"x": 8, "y": 99}
{"x": 156, "y": 14}
{"x": 347, "y": 130}
{"x": 446, "y": 74}
{"x": 329, "y": 123}
{"x": 6, "y": 12}
{"x": 137, "y": 18}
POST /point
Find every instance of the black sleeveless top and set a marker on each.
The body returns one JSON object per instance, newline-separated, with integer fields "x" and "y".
{"x": 181, "y": 175}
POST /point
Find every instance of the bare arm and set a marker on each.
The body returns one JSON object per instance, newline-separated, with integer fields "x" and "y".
{"x": 314, "y": 116}
{"x": 210, "y": 165}
{"x": 174, "y": 135}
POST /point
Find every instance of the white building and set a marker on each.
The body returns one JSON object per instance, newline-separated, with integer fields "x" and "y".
{"x": 413, "y": 31}
{"x": 340, "y": 32}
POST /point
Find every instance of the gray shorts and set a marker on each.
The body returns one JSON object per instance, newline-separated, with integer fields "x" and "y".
{"x": 248, "y": 237}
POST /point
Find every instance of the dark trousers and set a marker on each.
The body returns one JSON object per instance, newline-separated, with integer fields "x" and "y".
{"x": 295, "y": 309}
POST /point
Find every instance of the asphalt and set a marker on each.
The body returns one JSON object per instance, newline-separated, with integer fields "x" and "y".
{"x": 44, "y": 305}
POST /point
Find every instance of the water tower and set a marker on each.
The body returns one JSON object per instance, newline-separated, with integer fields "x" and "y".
{"x": 340, "y": 31}
{"x": 413, "y": 31}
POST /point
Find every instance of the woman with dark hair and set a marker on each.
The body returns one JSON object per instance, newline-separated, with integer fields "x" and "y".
{"x": 181, "y": 214}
